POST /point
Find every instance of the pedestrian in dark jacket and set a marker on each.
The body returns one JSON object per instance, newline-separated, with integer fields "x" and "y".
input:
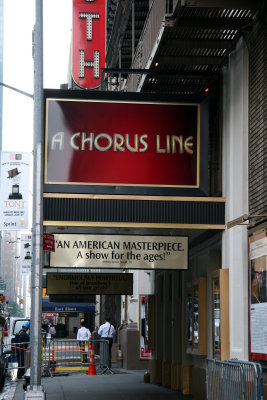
{"x": 22, "y": 340}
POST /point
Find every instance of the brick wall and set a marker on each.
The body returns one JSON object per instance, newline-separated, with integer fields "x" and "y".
{"x": 257, "y": 121}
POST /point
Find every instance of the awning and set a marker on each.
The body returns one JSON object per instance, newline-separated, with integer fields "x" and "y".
{"x": 66, "y": 307}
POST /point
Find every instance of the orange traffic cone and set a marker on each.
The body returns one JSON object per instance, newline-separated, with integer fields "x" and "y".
{"x": 91, "y": 368}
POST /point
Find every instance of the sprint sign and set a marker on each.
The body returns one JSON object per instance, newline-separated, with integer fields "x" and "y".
{"x": 88, "y": 42}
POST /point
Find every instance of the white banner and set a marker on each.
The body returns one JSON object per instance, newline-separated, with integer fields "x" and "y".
{"x": 118, "y": 251}
{"x": 25, "y": 254}
{"x": 14, "y": 196}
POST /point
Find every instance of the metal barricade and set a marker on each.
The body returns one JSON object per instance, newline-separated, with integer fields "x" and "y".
{"x": 58, "y": 355}
{"x": 72, "y": 355}
{"x": 224, "y": 381}
{"x": 104, "y": 356}
{"x": 233, "y": 379}
{"x": 253, "y": 379}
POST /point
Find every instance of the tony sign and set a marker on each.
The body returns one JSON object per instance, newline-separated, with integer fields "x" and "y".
{"x": 88, "y": 42}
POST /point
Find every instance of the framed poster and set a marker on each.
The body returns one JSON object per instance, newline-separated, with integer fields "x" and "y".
{"x": 189, "y": 318}
{"x": 258, "y": 296}
{"x": 145, "y": 352}
{"x": 216, "y": 312}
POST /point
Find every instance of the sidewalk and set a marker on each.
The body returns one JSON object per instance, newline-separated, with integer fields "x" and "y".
{"x": 118, "y": 386}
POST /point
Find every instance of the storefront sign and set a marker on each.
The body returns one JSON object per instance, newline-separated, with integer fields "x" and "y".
{"x": 68, "y": 307}
{"x": 115, "y": 251}
{"x": 258, "y": 296}
{"x": 14, "y": 195}
{"x": 122, "y": 143}
{"x": 88, "y": 42}
{"x": 64, "y": 283}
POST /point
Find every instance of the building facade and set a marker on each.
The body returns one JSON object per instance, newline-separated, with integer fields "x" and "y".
{"x": 217, "y": 51}
{"x": 186, "y": 52}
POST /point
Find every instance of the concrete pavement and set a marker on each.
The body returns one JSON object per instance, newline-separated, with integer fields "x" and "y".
{"x": 121, "y": 385}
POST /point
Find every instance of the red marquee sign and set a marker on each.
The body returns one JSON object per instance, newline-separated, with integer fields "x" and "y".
{"x": 90, "y": 142}
{"x": 88, "y": 42}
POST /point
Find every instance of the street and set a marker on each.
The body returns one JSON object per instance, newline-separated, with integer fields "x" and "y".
{"x": 10, "y": 386}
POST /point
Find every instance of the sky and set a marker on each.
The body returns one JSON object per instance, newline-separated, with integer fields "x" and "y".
{"x": 19, "y": 20}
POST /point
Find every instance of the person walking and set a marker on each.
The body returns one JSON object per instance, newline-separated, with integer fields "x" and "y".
{"x": 22, "y": 340}
{"x": 84, "y": 336}
{"x": 52, "y": 331}
{"x": 107, "y": 332}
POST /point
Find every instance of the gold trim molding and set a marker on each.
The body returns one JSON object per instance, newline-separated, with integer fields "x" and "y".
{"x": 130, "y": 197}
{"x": 132, "y": 225}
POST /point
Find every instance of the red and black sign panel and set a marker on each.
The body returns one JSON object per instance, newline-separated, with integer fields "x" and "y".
{"x": 88, "y": 42}
{"x": 48, "y": 242}
{"x": 92, "y": 142}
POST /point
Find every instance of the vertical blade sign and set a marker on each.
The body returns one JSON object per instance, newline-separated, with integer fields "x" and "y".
{"x": 88, "y": 42}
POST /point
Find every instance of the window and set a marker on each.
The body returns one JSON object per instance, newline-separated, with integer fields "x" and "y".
{"x": 195, "y": 316}
{"x": 192, "y": 318}
{"x": 189, "y": 319}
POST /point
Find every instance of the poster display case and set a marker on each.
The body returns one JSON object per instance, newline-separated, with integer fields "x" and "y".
{"x": 216, "y": 314}
{"x": 189, "y": 319}
{"x": 195, "y": 317}
{"x": 144, "y": 324}
{"x": 258, "y": 296}
{"x": 220, "y": 314}
{"x": 196, "y": 312}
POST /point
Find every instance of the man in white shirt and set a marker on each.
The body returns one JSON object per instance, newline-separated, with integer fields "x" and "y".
{"x": 84, "y": 335}
{"x": 107, "y": 332}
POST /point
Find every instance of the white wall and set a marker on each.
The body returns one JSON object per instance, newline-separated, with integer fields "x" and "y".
{"x": 235, "y": 190}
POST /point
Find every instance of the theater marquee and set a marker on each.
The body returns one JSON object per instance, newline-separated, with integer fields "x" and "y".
{"x": 88, "y": 42}
{"x": 122, "y": 143}
{"x": 120, "y": 251}
{"x": 77, "y": 284}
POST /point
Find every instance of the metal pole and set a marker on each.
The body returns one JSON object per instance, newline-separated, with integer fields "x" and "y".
{"x": 37, "y": 226}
